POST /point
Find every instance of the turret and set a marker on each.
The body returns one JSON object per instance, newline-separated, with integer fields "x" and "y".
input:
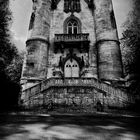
{"x": 109, "y": 55}
{"x": 35, "y": 65}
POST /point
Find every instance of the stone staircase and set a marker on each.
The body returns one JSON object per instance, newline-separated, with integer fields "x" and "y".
{"x": 111, "y": 96}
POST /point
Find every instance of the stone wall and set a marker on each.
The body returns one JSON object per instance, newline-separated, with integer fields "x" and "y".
{"x": 41, "y": 28}
{"x": 78, "y": 92}
{"x": 36, "y": 59}
{"x": 102, "y": 59}
{"x": 58, "y": 16}
{"x": 83, "y": 98}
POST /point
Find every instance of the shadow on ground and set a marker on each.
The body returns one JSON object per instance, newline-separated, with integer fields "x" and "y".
{"x": 68, "y": 127}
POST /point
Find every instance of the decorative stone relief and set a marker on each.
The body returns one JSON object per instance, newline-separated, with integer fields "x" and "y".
{"x": 72, "y": 6}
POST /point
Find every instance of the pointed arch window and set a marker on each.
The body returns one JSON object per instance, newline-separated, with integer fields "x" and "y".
{"x": 72, "y": 27}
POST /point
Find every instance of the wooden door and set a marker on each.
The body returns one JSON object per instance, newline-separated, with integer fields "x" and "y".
{"x": 71, "y": 68}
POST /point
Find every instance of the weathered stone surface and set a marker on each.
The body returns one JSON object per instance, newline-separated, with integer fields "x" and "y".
{"x": 78, "y": 97}
{"x": 109, "y": 55}
{"x": 92, "y": 52}
{"x": 87, "y": 26}
{"x": 35, "y": 65}
{"x": 84, "y": 92}
{"x": 36, "y": 59}
{"x": 109, "y": 60}
{"x": 41, "y": 27}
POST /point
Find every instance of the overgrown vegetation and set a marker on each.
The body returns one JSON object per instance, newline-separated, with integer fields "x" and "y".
{"x": 10, "y": 62}
{"x": 131, "y": 48}
{"x": 131, "y": 52}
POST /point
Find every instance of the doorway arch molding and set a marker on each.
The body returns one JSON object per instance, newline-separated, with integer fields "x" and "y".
{"x": 80, "y": 61}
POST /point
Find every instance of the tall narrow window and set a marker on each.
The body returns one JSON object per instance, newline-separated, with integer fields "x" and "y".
{"x": 72, "y": 27}
{"x": 112, "y": 18}
{"x": 32, "y": 21}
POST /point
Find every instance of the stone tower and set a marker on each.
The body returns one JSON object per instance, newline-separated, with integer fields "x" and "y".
{"x": 37, "y": 44}
{"x": 72, "y": 49}
{"x": 109, "y": 55}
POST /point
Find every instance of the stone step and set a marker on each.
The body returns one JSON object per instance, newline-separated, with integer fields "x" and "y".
{"x": 107, "y": 92}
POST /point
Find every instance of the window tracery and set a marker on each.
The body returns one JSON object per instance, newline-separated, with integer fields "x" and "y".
{"x": 72, "y": 27}
{"x": 72, "y": 6}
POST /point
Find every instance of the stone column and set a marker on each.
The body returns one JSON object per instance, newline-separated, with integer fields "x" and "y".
{"x": 109, "y": 55}
{"x": 35, "y": 65}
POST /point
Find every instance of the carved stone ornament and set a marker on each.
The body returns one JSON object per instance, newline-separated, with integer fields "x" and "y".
{"x": 72, "y": 6}
{"x": 71, "y": 56}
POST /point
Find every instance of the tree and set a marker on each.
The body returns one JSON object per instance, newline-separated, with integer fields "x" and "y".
{"x": 131, "y": 48}
{"x": 14, "y": 69}
{"x": 7, "y": 48}
{"x": 10, "y": 61}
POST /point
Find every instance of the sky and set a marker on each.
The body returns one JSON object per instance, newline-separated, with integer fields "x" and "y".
{"x": 21, "y": 10}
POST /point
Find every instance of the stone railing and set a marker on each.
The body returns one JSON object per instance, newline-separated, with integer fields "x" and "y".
{"x": 71, "y": 37}
{"x": 69, "y": 82}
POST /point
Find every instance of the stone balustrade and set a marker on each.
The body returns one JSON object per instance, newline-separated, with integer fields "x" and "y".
{"x": 71, "y": 37}
{"x": 70, "y": 82}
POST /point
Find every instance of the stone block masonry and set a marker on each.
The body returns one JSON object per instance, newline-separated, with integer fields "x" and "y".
{"x": 72, "y": 53}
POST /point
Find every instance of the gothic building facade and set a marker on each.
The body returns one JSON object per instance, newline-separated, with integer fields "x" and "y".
{"x": 73, "y": 55}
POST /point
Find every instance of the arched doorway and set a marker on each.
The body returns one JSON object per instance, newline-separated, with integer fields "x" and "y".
{"x": 71, "y": 68}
